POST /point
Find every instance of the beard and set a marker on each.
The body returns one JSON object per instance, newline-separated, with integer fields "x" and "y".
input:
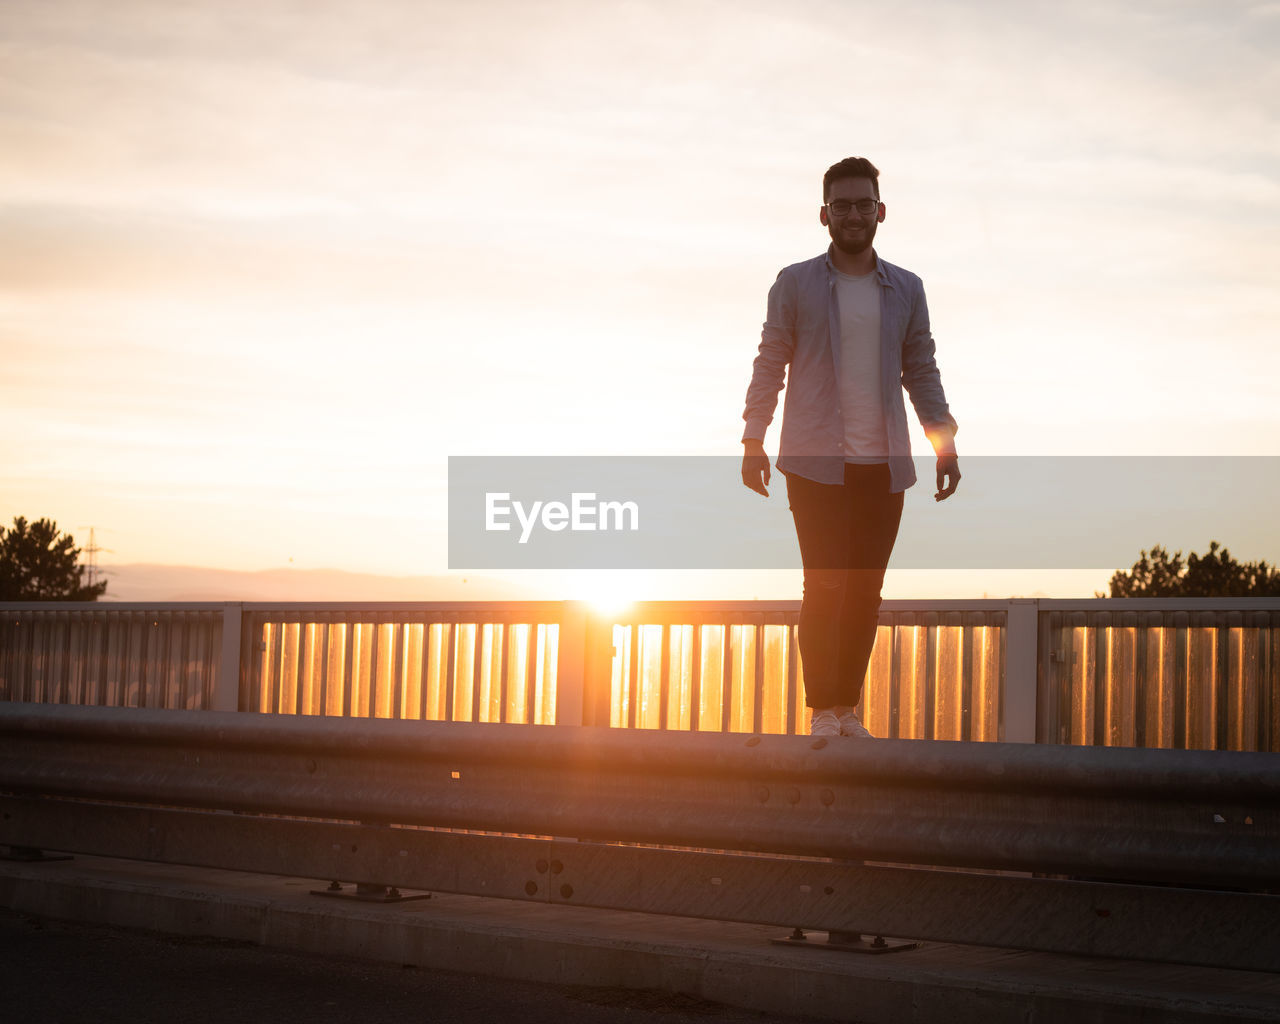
{"x": 853, "y": 243}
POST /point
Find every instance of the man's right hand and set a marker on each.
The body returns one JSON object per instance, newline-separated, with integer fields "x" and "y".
{"x": 755, "y": 467}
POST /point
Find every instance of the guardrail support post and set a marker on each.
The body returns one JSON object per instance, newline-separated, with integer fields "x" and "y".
{"x": 226, "y": 688}
{"x": 1021, "y": 669}
{"x": 584, "y": 666}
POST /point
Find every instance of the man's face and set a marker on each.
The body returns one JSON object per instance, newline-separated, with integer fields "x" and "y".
{"x": 852, "y": 232}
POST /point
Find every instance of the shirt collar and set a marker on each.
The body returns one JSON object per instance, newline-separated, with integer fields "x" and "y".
{"x": 881, "y": 274}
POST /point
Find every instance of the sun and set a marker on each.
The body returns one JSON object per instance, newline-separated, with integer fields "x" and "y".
{"x": 610, "y": 598}
{"x": 608, "y": 592}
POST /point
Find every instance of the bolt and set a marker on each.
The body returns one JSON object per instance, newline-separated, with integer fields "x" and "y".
{"x": 531, "y": 888}
{"x": 754, "y": 741}
{"x": 828, "y": 798}
{"x": 541, "y": 866}
{"x": 566, "y": 891}
{"x": 819, "y": 743}
{"x": 762, "y": 794}
{"x": 793, "y": 795}
{"x": 556, "y": 867}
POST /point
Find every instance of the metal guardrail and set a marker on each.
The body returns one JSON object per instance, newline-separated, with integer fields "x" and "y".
{"x": 114, "y": 782}
{"x": 1199, "y": 674}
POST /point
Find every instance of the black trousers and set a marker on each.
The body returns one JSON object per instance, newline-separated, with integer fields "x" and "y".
{"x": 846, "y": 533}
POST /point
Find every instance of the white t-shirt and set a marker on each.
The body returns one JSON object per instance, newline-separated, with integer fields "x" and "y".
{"x": 861, "y": 400}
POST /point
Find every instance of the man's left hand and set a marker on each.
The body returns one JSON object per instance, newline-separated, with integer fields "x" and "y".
{"x": 948, "y": 477}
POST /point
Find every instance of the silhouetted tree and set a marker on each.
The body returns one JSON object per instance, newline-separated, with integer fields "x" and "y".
{"x": 38, "y": 564}
{"x": 1214, "y": 574}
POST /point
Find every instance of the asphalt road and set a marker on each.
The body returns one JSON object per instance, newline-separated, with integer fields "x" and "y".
{"x": 55, "y": 972}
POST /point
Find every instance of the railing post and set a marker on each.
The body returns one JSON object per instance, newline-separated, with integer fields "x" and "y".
{"x": 1021, "y": 667}
{"x": 583, "y": 666}
{"x": 226, "y": 688}
{"x": 600, "y": 653}
{"x": 571, "y": 663}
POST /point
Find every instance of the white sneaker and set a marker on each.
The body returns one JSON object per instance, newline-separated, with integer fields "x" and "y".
{"x": 824, "y": 723}
{"x": 851, "y": 725}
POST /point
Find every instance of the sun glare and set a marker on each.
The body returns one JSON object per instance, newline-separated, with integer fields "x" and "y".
{"x": 608, "y": 592}
{"x": 611, "y": 600}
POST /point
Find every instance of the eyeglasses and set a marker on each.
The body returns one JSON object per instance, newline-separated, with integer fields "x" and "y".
{"x": 841, "y": 207}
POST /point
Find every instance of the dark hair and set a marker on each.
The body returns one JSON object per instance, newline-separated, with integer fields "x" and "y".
{"x": 851, "y": 167}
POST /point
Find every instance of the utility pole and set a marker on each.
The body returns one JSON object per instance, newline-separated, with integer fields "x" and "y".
{"x": 91, "y": 549}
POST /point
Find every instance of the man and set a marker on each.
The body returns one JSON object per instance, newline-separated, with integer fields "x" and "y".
{"x": 854, "y": 331}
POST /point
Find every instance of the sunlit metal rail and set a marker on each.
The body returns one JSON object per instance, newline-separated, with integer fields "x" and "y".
{"x": 110, "y": 781}
{"x": 1171, "y": 673}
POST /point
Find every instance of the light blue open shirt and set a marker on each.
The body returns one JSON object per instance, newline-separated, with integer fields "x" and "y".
{"x": 803, "y": 331}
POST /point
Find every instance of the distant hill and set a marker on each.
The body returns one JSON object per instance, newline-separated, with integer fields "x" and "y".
{"x": 196, "y": 583}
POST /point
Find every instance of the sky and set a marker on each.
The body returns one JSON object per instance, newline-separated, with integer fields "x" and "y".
{"x": 264, "y": 266}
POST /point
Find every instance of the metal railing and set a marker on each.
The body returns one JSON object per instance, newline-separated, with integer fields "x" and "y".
{"x": 1201, "y": 674}
{"x": 480, "y": 665}
{"x": 159, "y": 656}
{"x": 934, "y": 674}
{"x": 790, "y": 819}
{"x": 1149, "y": 676}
